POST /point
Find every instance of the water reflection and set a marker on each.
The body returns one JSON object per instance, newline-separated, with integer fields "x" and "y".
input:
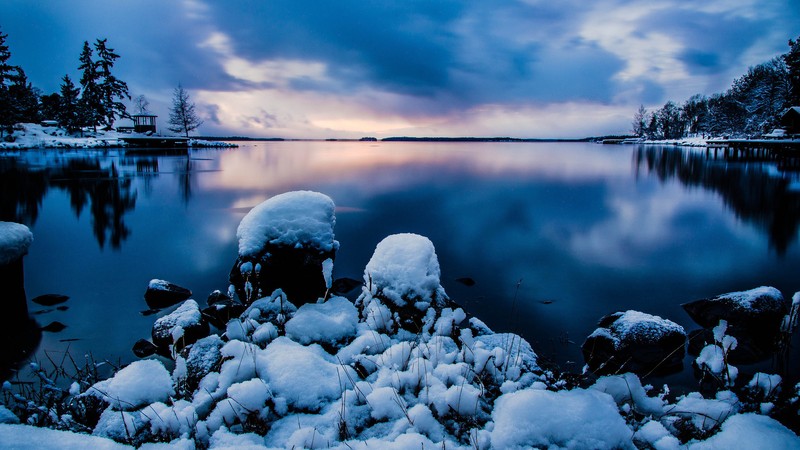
{"x": 86, "y": 182}
{"x": 755, "y": 194}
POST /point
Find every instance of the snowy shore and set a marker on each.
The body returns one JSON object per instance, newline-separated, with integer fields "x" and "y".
{"x": 31, "y": 135}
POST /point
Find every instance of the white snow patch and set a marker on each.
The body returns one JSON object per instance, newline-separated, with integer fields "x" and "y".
{"x": 328, "y": 322}
{"x": 293, "y": 219}
{"x": 750, "y": 431}
{"x": 140, "y": 383}
{"x": 565, "y": 419}
{"x": 25, "y": 437}
{"x": 745, "y": 299}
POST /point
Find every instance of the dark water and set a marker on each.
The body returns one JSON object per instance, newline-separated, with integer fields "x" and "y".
{"x": 554, "y": 235}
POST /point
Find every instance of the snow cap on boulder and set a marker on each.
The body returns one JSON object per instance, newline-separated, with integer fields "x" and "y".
{"x": 403, "y": 269}
{"x": 15, "y": 239}
{"x": 292, "y": 219}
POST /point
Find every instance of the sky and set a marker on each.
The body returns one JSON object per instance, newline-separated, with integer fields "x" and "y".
{"x": 348, "y": 69}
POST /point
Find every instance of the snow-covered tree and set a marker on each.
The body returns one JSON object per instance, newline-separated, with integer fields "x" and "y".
{"x": 792, "y": 60}
{"x": 182, "y": 117}
{"x": 23, "y": 98}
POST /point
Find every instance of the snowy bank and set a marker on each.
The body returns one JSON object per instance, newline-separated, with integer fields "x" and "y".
{"x": 32, "y": 135}
{"x": 15, "y": 239}
{"x": 402, "y": 367}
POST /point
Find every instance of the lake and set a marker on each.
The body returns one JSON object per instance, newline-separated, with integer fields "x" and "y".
{"x": 555, "y": 235}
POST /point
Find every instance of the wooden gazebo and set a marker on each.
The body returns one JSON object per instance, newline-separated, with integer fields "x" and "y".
{"x": 144, "y": 123}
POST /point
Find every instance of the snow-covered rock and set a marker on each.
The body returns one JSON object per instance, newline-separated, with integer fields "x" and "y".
{"x": 161, "y": 294}
{"x": 634, "y": 341}
{"x": 759, "y": 310}
{"x": 138, "y": 384}
{"x": 284, "y": 243}
{"x": 402, "y": 277}
{"x": 181, "y": 327}
{"x": 15, "y": 239}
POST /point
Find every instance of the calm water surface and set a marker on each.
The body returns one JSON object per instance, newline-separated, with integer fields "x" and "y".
{"x": 555, "y": 235}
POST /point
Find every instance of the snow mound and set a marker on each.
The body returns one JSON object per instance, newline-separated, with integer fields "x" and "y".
{"x": 565, "y": 419}
{"x": 404, "y": 266}
{"x": 328, "y": 322}
{"x": 292, "y": 219}
{"x": 138, "y": 384}
{"x": 750, "y": 431}
{"x": 15, "y": 239}
{"x": 23, "y": 437}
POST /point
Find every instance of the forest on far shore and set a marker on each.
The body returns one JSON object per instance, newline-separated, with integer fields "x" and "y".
{"x": 752, "y": 106}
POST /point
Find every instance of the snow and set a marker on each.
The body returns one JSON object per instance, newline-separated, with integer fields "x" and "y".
{"x": 714, "y": 357}
{"x": 404, "y": 266}
{"x": 140, "y": 383}
{"x": 746, "y": 300}
{"x": 15, "y": 239}
{"x": 24, "y": 437}
{"x": 328, "y": 322}
{"x": 639, "y": 326}
{"x": 185, "y": 316}
{"x": 566, "y": 419}
{"x": 293, "y": 219}
{"x": 750, "y": 431}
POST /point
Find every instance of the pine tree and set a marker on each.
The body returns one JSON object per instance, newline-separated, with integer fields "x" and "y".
{"x": 24, "y": 98}
{"x": 69, "y": 111}
{"x": 792, "y": 60}
{"x": 182, "y": 116}
{"x": 112, "y": 90}
{"x": 6, "y": 75}
{"x": 91, "y": 98}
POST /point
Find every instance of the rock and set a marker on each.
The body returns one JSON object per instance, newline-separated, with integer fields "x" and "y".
{"x": 758, "y": 310}
{"x": 144, "y": 348}
{"x": 342, "y": 286}
{"x": 403, "y": 275}
{"x": 219, "y": 313}
{"x": 466, "y": 281}
{"x": 181, "y": 327}
{"x": 283, "y": 244}
{"x": 161, "y": 294}
{"x": 54, "y": 327}
{"x": 202, "y": 357}
{"x": 633, "y": 341}
{"x": 216, "y": 297}
{"x": 49, "y": 299}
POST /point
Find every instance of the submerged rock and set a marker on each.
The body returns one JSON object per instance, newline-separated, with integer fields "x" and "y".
{"x": 181, "y": 327}
{"x": 636, "y": 342}
{"x": 50, "y": 299}
{"x": 144, "y": 348}
{"x": 284, "y": 243}
{"x": 161, "y": 294}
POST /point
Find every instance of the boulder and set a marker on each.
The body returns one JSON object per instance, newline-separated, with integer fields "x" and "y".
{"x": 634, "y": 341}
{"x": 286, "y": 243}
{"x": 202, "y": 357}
{"x": 161, "y": 294}
{"x": 403, "y": 276}
{"x": 180, "y": 328}
{"x": 760, "y": 309}
{"x": 220, "y": 312}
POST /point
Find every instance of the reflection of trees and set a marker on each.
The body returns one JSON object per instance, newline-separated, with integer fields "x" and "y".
{"x": 751, "y": 192}
{"x": 108, "y": 195}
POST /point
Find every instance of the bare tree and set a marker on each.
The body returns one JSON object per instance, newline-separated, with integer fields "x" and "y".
{"x": 140, "y": 104}
{"x": 182, "y": 117}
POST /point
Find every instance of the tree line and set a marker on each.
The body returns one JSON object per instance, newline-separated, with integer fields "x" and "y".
{"x": 752, "y": 106}
{"x": 96, "y": 101}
